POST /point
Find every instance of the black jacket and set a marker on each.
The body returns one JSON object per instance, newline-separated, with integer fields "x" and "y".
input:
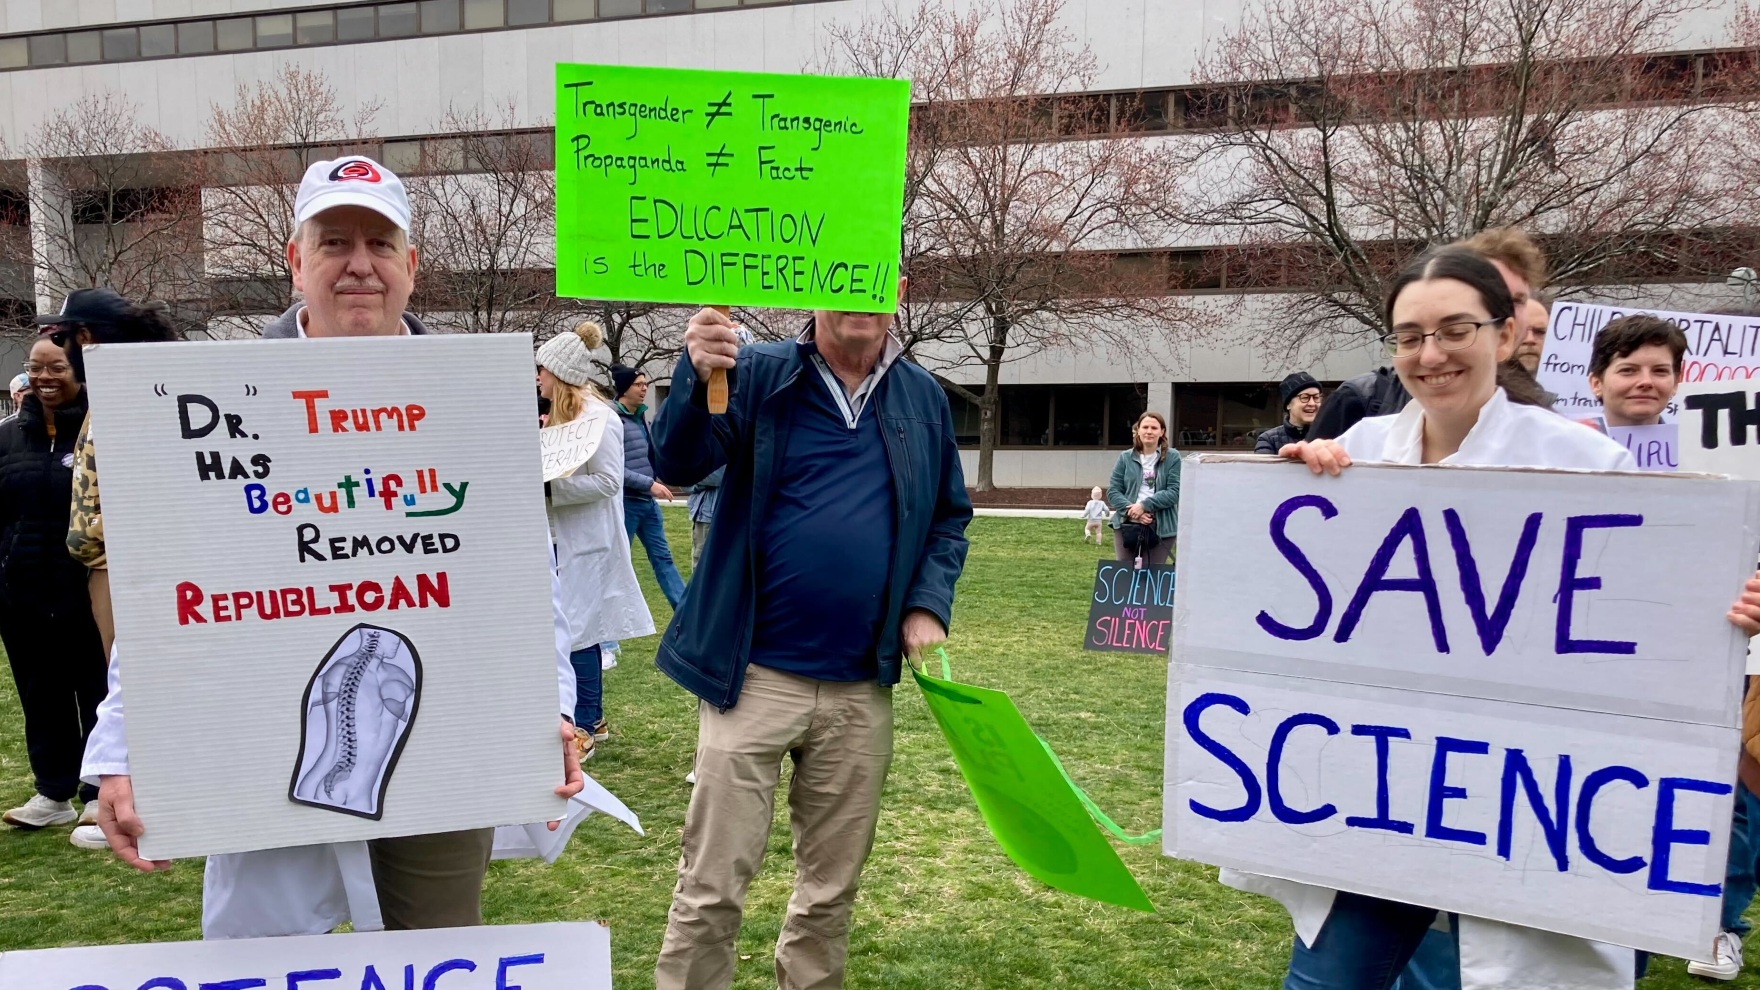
{"x": 1376, "y": 393}
{"x": 1272, "y": 440}
{"x": 36, "y": 493}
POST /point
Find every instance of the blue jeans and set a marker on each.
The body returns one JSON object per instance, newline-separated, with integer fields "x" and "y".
{"x": 1364, "y": 945}
{"x": 1437, "y": 963}
{"x": 1744, "y": 860}
{"x": 641, "y": 517}
{"x": 589, "y": 687}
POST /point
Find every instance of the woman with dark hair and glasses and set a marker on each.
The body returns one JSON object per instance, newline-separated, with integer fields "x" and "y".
{"x": 1452, "y": 326}
{"x": 80, "y": 632}
{"x": 46, "y": 616}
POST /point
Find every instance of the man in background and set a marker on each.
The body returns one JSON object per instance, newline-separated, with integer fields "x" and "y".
{"x": 641, "y": 513}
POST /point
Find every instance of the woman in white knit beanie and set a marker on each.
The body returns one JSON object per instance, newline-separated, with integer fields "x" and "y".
{"x": 600, "y": 596}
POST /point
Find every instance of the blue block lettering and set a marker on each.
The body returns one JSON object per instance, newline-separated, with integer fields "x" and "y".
{"x": 1441, "y": 791}
{"x": 1382, "y": 734}
{"x": 441, "y": 969}
{"x": 1299, "y": 560}
{"x": 1409, "y": 527}
{"x": 1274, "y": 798}
{"x": 1554, "y": 825}
{"x": 244, "y": 984}
{"x": 163, "y": 983}
{"x": 370, "y": 979}
{"x": 508, "y": 962}
{"x": 256, "y": 498}
{"x": 1491, "y": 626}
{"x": 1569, "y": 584}
{"x": 1249, "y": 783}
{"x": 312, "y": 976}
{"x": 1664, "y": 836}
{"x": 1592, "y": 785}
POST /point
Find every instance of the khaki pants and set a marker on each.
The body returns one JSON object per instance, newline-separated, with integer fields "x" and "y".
{"x": 699, "y": 536}
{"x": 840, "y": 737}
{"x": 432, "y": 881}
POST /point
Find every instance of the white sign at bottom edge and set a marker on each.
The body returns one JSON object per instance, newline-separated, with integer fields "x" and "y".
{"x": 1455, "y": 803}
{"x": 558, "y": 956}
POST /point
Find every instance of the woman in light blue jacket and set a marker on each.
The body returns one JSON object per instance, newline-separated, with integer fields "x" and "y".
{"x": 1145, "y": 489}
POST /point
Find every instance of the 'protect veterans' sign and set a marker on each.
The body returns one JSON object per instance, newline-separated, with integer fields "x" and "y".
{"x": 1511, "y": 694}
{"x": 729, "y": 188}
{"x": 330, "y": 573}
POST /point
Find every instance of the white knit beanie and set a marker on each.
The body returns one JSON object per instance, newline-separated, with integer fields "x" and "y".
{"x": 569, "y": 356}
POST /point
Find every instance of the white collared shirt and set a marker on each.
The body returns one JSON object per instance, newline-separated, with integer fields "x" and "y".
{"x": 851, "y": 404}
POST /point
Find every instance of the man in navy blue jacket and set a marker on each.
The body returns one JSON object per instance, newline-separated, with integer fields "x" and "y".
{"x": 838, "y": 539}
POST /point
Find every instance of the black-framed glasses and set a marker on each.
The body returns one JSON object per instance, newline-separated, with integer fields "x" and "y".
{"x": 1308, "y": 397}
{"x": 1449, "y": 337}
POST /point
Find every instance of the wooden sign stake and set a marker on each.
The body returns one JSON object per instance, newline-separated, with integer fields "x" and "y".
{"x": 718, "y": 377}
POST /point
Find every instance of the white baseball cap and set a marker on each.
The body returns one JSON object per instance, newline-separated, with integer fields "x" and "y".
{"x": 353, "y": 181}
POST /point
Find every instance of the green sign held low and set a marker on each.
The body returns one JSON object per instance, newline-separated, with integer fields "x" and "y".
{"x": 729, "y": 188}
{"x": 1030, "y": 806}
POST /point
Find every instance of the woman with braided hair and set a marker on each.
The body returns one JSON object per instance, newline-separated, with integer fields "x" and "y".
{"x": 599, "y": 592}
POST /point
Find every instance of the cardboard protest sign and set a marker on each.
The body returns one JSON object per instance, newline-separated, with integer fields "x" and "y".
{"x": 566, "y": 956}
{"x": 729, "y": 188}
{"x": 1130, "y": 609}
{"x": 1655, "y": 448}
{"x": 568, "y": 446}
{"x": 1451, "y": 687}
{"x": 330, "y": 575}
{"x": 1720, "y": 429}
{"x": 1030, "y": 808}
{"x": 1719, "y": 348}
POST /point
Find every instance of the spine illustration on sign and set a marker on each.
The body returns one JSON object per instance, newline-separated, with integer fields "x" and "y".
{"x": 355, "y": 719}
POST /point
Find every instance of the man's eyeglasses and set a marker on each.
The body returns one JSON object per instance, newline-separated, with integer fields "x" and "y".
{"x": 58, "y": 368}
{"x": 1449, "y": 337}
{"x": 1309, "y": 398}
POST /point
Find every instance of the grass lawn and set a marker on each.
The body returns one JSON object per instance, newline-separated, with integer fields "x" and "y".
{"x": 941, "y": 906}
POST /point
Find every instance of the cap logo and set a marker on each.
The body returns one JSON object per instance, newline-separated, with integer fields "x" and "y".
{"x": 356, "y": 170}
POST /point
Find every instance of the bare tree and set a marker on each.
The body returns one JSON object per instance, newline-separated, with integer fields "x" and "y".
{"x": 113, "y": 205}
{"x": 485, "y": 224}
{"x": 1345, "y": 134}
{"x": 1019, "y": 202}
{"x": 266, "y": 138}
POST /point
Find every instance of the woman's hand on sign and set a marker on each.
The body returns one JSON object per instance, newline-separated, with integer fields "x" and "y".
{"x": 919, "y": 631}
{"x": 1745, "y": 613}
{"x": 572, "y": 778}
{"x": 710, "y": 341}
{"x": 120, "y": 825}
{"x": 1321, "y": 456}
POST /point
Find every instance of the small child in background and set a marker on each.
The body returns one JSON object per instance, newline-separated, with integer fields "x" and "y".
{"x": 1093, "y": 514}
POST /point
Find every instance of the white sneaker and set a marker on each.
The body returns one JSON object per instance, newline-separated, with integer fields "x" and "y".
{"x": 691, "y": 778}
{"x": 88, "y": 815}
{"x": 89, "y": 837}
{"x": 1726, "y": 958}
{"x": 40, "y": 812}
{"x": 607, "y": 661}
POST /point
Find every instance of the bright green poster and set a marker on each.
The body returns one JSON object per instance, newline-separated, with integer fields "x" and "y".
{"x": 1030, "y": 808}
{"x": 729, "y": 188}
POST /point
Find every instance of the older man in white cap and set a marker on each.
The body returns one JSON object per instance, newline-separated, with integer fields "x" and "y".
{"x": 354, "y": 267}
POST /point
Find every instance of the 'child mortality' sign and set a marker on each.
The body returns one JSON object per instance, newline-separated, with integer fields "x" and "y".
{"x": 1509, "y": 694}
{"x": 729, "y": 188}
{"x": 331, "y": 585}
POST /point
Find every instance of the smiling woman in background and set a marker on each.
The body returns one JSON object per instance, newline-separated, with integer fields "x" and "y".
{"x": 46, "y": 618}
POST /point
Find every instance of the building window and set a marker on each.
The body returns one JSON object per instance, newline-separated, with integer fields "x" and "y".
{"x": 354, "y": 24}
{"x": 1124, "y": 403}
{"x": 121, "y": 44}
{"x": 314, "y": 27}
{"x": 1086, "y": 416}
{"x": 439, "y": 16}
{"x": 195, "y": 37}
{"x": 528, "y": 12}
{"x": 397, "y": 20}
{"x": 14, "y": 53}
{"x": 84, "y": 46}
{"x": 275, "y": 31}
{"x": 480, "y": 15}
{"x": 574, "y": 10}
{"x": 668, "y": 6}
{"x": 1230, "y": 415}
{"x": 716, "y": 4}
{"x": 619, "y": 8}
{"x": 233, "y": 34}
{"x": 158, "y": 40}
{"x": 48, "y": 49}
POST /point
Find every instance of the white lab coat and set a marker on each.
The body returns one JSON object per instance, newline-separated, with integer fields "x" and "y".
{"x": 301, "y": 890}
{"x": 1493, "y": 954}
{"x": 600, "y": 597}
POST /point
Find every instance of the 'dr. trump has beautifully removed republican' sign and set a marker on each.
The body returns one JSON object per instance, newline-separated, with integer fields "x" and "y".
{"x": 1511, "y": 694}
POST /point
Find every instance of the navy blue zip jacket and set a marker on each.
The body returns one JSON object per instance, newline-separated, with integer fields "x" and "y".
{"x": 708, "y": 643}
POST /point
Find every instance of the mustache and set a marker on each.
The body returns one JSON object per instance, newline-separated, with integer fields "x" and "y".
{"x": 358, "y": 285}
